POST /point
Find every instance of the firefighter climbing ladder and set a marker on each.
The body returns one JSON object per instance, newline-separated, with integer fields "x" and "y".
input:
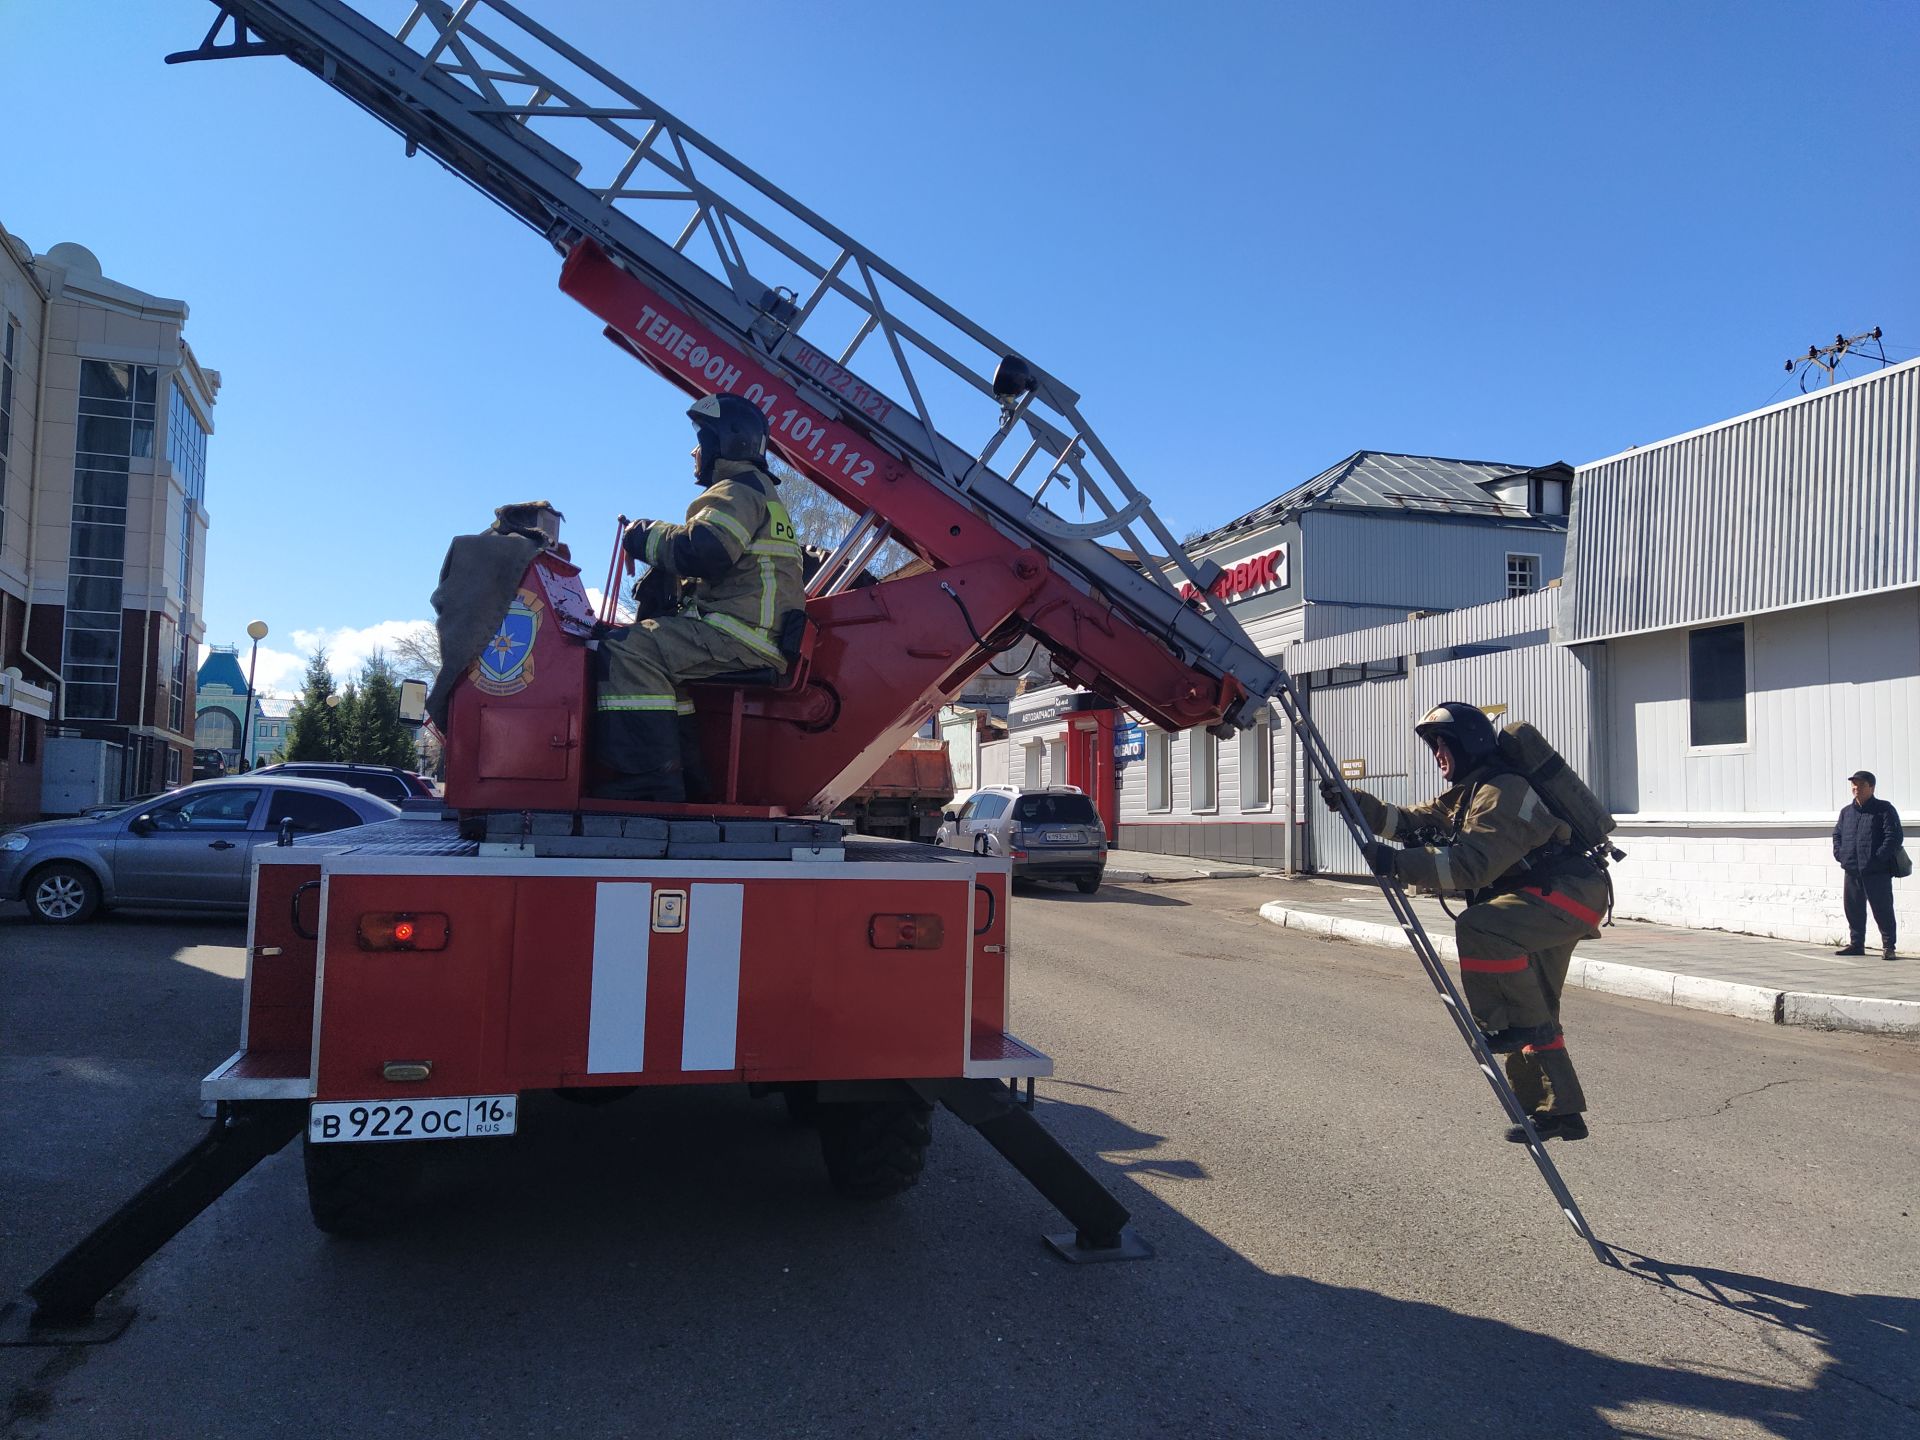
{"x": 483, "y": 88}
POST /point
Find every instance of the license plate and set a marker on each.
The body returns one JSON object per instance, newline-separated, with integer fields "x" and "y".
{"x": 446, "y": 1117}
{"x": 1068, "y": 837}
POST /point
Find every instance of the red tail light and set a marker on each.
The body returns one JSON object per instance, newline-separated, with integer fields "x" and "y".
{"x": 906, "y": 932}
{"x": 389, "y": 930}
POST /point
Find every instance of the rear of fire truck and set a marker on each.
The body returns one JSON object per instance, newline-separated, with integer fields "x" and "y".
{"x": 412, "y": 986}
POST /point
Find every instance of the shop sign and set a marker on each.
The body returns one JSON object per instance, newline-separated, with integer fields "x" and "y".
{"x": 1129, "y": 743}
{"x": 1044, "y": 714}
{"x": 1247, "y": 577}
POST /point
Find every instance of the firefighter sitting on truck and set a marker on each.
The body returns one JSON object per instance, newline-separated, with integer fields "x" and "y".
{"x": 734, "y": 569}
{"x": 1533, "y": 898}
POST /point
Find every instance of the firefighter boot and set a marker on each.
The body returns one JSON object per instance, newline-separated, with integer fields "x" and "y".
{"x": 640, "y": 750}
{"x": 1550, "y": 1127}
{"x": 693, "y": 764}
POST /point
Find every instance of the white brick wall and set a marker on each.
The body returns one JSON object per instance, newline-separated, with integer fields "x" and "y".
{"x": 1783, "y": 885}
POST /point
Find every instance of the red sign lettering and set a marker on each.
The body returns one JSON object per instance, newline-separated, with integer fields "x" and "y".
{"x": 1238, "y": 581}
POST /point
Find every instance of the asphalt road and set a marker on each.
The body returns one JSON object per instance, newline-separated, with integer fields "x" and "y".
{"x": 1345, "y": 1246}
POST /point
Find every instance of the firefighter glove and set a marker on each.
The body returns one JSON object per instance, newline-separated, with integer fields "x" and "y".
{"x": 1330, "y": 792}
{"x": 634, "y": 541}
{"x": 1381, "y": 857}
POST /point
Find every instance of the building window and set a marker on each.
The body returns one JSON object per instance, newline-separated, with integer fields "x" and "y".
{"x": 1203, "y": 770}
{"x": 216, "y": 730}
{"x": 187, "y": 454}
{"x": 1549, "y": 497}
{"x": 115, "y": 426}
{"x": 1717, "y": 685}
{"x": 1256, "y": 767}
{"x": 1159, "y": 771}
{"x": 187, "y": 446}
{"x": 1523, "y": 575}
{"x": 8, "y": 332}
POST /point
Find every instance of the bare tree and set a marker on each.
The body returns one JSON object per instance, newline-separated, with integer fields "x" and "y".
{"x": 416, "y": 654}
{"x": 823, "y": 520}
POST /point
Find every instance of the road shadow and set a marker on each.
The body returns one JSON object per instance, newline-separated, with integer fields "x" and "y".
{"x": 675, "y": 1264}
{"x": 1114, "y": 892}
{"x": 675, "y": 1227}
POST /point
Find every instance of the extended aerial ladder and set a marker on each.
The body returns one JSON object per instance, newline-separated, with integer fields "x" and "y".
{"x": 718, "y": 280}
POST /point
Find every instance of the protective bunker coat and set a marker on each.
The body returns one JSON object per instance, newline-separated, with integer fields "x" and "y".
{"x": 740, "y": 549}
{"x": 1517, "y": 939}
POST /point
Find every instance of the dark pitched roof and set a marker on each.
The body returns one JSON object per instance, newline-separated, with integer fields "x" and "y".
{"x": 222, "y": 667}
{"x": 1375, "y": 480}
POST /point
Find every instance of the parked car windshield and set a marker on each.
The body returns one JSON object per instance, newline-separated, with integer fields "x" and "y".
{"x": 228, "y": 808}
{"x": 1067, "y": 809}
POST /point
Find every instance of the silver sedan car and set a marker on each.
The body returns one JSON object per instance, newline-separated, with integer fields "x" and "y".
{"x": 190, "y": 849}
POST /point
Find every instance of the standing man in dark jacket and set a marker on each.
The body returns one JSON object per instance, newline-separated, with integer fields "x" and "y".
{"x": 1864, "y": 839}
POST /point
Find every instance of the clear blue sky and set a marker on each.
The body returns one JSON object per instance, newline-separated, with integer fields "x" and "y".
{"x": 1256, "y": 237}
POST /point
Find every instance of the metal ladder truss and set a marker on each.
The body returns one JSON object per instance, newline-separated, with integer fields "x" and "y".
{"x": 1320, "y": 761}
{"x": 576, "y": 152}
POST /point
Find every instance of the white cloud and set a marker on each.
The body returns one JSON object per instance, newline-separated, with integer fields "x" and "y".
{"x": 348, "y": 649}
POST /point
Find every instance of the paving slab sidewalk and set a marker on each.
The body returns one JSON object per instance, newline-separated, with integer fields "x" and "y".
{"x": 1784, "y": 982}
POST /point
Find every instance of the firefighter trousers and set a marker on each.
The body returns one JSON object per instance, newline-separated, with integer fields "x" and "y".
{"x": 642, "y": 667}
{"x": 1514, "y": 952}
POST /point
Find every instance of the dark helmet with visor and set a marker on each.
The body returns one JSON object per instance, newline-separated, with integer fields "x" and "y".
{"x": 1466, "y": 729}
{"x": 730, "y": 428}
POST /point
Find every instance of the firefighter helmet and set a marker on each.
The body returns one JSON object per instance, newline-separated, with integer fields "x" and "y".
{"x": 1468, "y": 732}
{"x": 730, "y": 428}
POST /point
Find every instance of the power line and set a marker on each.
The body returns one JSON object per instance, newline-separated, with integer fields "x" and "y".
{"x": 1827, "y": 358}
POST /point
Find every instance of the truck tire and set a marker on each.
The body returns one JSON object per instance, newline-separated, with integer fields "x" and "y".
{"x": 62, "y": 893}
{"x": 355, "y": 1191}
{"x": 874, "y": 1148}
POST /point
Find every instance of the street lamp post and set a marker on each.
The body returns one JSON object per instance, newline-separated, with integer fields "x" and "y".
{"x": 258, "y": 631}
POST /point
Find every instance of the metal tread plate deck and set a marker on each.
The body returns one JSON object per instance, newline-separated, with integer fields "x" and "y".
{"x": 1003, "y": 1056}
{"x": 442, "y": 838}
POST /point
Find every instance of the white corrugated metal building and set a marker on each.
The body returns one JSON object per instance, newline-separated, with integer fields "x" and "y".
{"x": 1755, "y": 587}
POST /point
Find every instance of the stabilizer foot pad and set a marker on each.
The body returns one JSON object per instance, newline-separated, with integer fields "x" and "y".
{"x": 1130, "y": 1247}
{"x": 18, "y": 1330}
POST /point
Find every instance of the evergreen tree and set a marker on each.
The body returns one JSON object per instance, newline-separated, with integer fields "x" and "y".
{"x": 385, "y": 739}
{"x": 349, "y": 725}
{"x": 311, "y": 733}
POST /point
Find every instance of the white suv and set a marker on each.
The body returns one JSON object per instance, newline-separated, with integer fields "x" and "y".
{"x": 1051, "y": 834}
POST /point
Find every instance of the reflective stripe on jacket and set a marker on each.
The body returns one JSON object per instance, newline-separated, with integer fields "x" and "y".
{"x": 740, "y": 546}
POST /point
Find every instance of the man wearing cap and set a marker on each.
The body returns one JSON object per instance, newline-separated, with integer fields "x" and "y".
{"x": 1864, "y": 841}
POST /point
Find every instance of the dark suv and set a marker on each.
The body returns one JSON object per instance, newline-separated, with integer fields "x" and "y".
{"x": 389, "y": 782}
{"x": 209, "y": 765}
{"x": 1051, "y": 834}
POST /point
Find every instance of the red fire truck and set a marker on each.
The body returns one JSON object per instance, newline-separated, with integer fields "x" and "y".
{"x": 408, "y": 982}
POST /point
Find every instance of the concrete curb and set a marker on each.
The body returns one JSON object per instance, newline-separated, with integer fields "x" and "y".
{"x": 1665, "y": 987}
{"x": 1850, "y": 1012}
